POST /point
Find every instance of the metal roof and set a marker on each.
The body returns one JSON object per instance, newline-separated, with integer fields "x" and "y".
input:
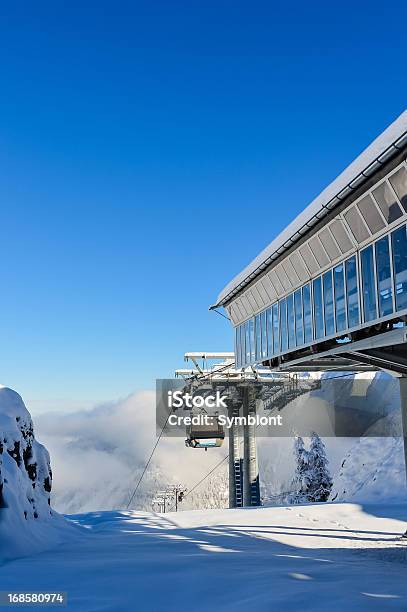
{"x": 367, "y": 163}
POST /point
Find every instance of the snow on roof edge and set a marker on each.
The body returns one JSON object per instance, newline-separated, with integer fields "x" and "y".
{"x": 389, "y": 136}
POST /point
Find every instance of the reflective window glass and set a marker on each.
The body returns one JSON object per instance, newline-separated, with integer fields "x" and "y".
{"x": 340, "y": 306}
{"x": 383, "y": 273}
{"x": 307, "y": 315}
{"x": 298, "y": 318}
{"x": 318, "y": 308}
{"x": 283, "y": 325}
{"x": 399, "y": 247}
{"x": 247, "y": 342}
{"x": 242, "y": 346}
{"x": 399, "y": 184}
{"x": 368, "y": 284}
{"x": 237, "y": 346}
{"x": 387, "y": 202}
{"x": 269, "y": 327}
{"x": 329, "y": 304}
{"x": 276, "y": 330}
{"x": 252, "y": 344}
{"x": 263, "y": 334}
{"x": 352, "y": 293}
{"x": 258, "y": 337}
{"x": 291, "y": 321}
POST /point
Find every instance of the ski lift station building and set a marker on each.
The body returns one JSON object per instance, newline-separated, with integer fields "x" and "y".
{"x": 337, "y": 272}
{"x": 331, "y": 289}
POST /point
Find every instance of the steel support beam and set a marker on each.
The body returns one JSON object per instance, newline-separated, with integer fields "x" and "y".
{"x": 251, "y": 490}
{"x": 235, "y": 462}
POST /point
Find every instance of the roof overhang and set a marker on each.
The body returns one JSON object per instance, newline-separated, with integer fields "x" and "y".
{"x": 377, "y": 154}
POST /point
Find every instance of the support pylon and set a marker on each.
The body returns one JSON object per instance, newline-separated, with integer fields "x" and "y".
{"x": 235, "y": 461}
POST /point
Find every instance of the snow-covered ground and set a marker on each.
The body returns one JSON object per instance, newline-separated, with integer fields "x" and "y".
{"x": 313, "y": 557}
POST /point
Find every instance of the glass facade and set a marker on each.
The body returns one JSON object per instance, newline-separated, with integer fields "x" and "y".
{"x": 366, "y": 287}
{"x": 306, "y": 301}
{"x": 318, "y": 308}
{"x": 384, "y": 280}
{"x": 368, "y": 284}
{"x": 340, "y": 306}
{"x": 329, "y": 304}
{"x": 399, "y": 248}
{"x": 291, "y": 321}
{"x": 299, "y": 334}
{"x": 352, "y": 292}
{"x": 283, "y": 326}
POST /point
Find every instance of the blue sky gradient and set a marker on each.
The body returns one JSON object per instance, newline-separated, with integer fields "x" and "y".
{"x": 149, "y": 150}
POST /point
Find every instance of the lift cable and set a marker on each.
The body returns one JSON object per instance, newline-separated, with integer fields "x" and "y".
{"x": 202, "y": 479}
{"x": 147, "y": 464}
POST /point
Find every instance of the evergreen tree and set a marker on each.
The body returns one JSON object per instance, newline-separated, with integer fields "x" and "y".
{"x": 302, "y": 480}
{"x": 320, "y": 478}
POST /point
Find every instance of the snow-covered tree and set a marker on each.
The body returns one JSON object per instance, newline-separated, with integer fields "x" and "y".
{"x": 320, "y": 479}
{"x": 302, "y": 480}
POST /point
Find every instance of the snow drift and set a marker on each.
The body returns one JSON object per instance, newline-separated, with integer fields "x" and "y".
{"x": 27, "y": 521}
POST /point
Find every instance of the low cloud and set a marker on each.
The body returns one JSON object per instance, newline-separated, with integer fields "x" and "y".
{"x": 97, "y": 455}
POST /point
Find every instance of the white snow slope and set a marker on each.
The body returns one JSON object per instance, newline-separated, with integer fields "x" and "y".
{"x": 314, "y": 557}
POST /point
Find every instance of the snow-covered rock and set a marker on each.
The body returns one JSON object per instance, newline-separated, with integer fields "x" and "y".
{"x": 27, "y": 521}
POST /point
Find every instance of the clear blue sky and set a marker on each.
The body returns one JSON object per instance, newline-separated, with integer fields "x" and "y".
{"x": 148, "y": 151}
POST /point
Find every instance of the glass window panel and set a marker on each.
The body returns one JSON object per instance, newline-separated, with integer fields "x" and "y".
{"x": 352, "y": 293}
{"x": 329, "y": 244}
{"x": 329, "y": 304}
{"x": 355, "y": 222}
{"x": 258, "y": 337}
{"x": 291, "y": 321}
{"x": 237, "y": 346}
{"x": 368, "y": 284}
{"x": 283, "y": 325}
{"x": 318, "y": 308}
{"x": 263, "y": 334}
{"x": 269, "y": 326}
{"x": 252, "y": 345}
{"x": 306, "y": 300}
{"x": 387, "y": 202}
{"x": 399, "y": 184}
{"x": 340, "y": 306}
{"x": 298, "y": 318}
{"x": 242, "y": 346}
{"x": 340, "y": 235}
{"x": 371, "y": 215}
{"x": 399, "y": 247}
{"x": 383, "y": 273}
{"x": 276, "y": 330}
{"x": 247, "y": 342}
